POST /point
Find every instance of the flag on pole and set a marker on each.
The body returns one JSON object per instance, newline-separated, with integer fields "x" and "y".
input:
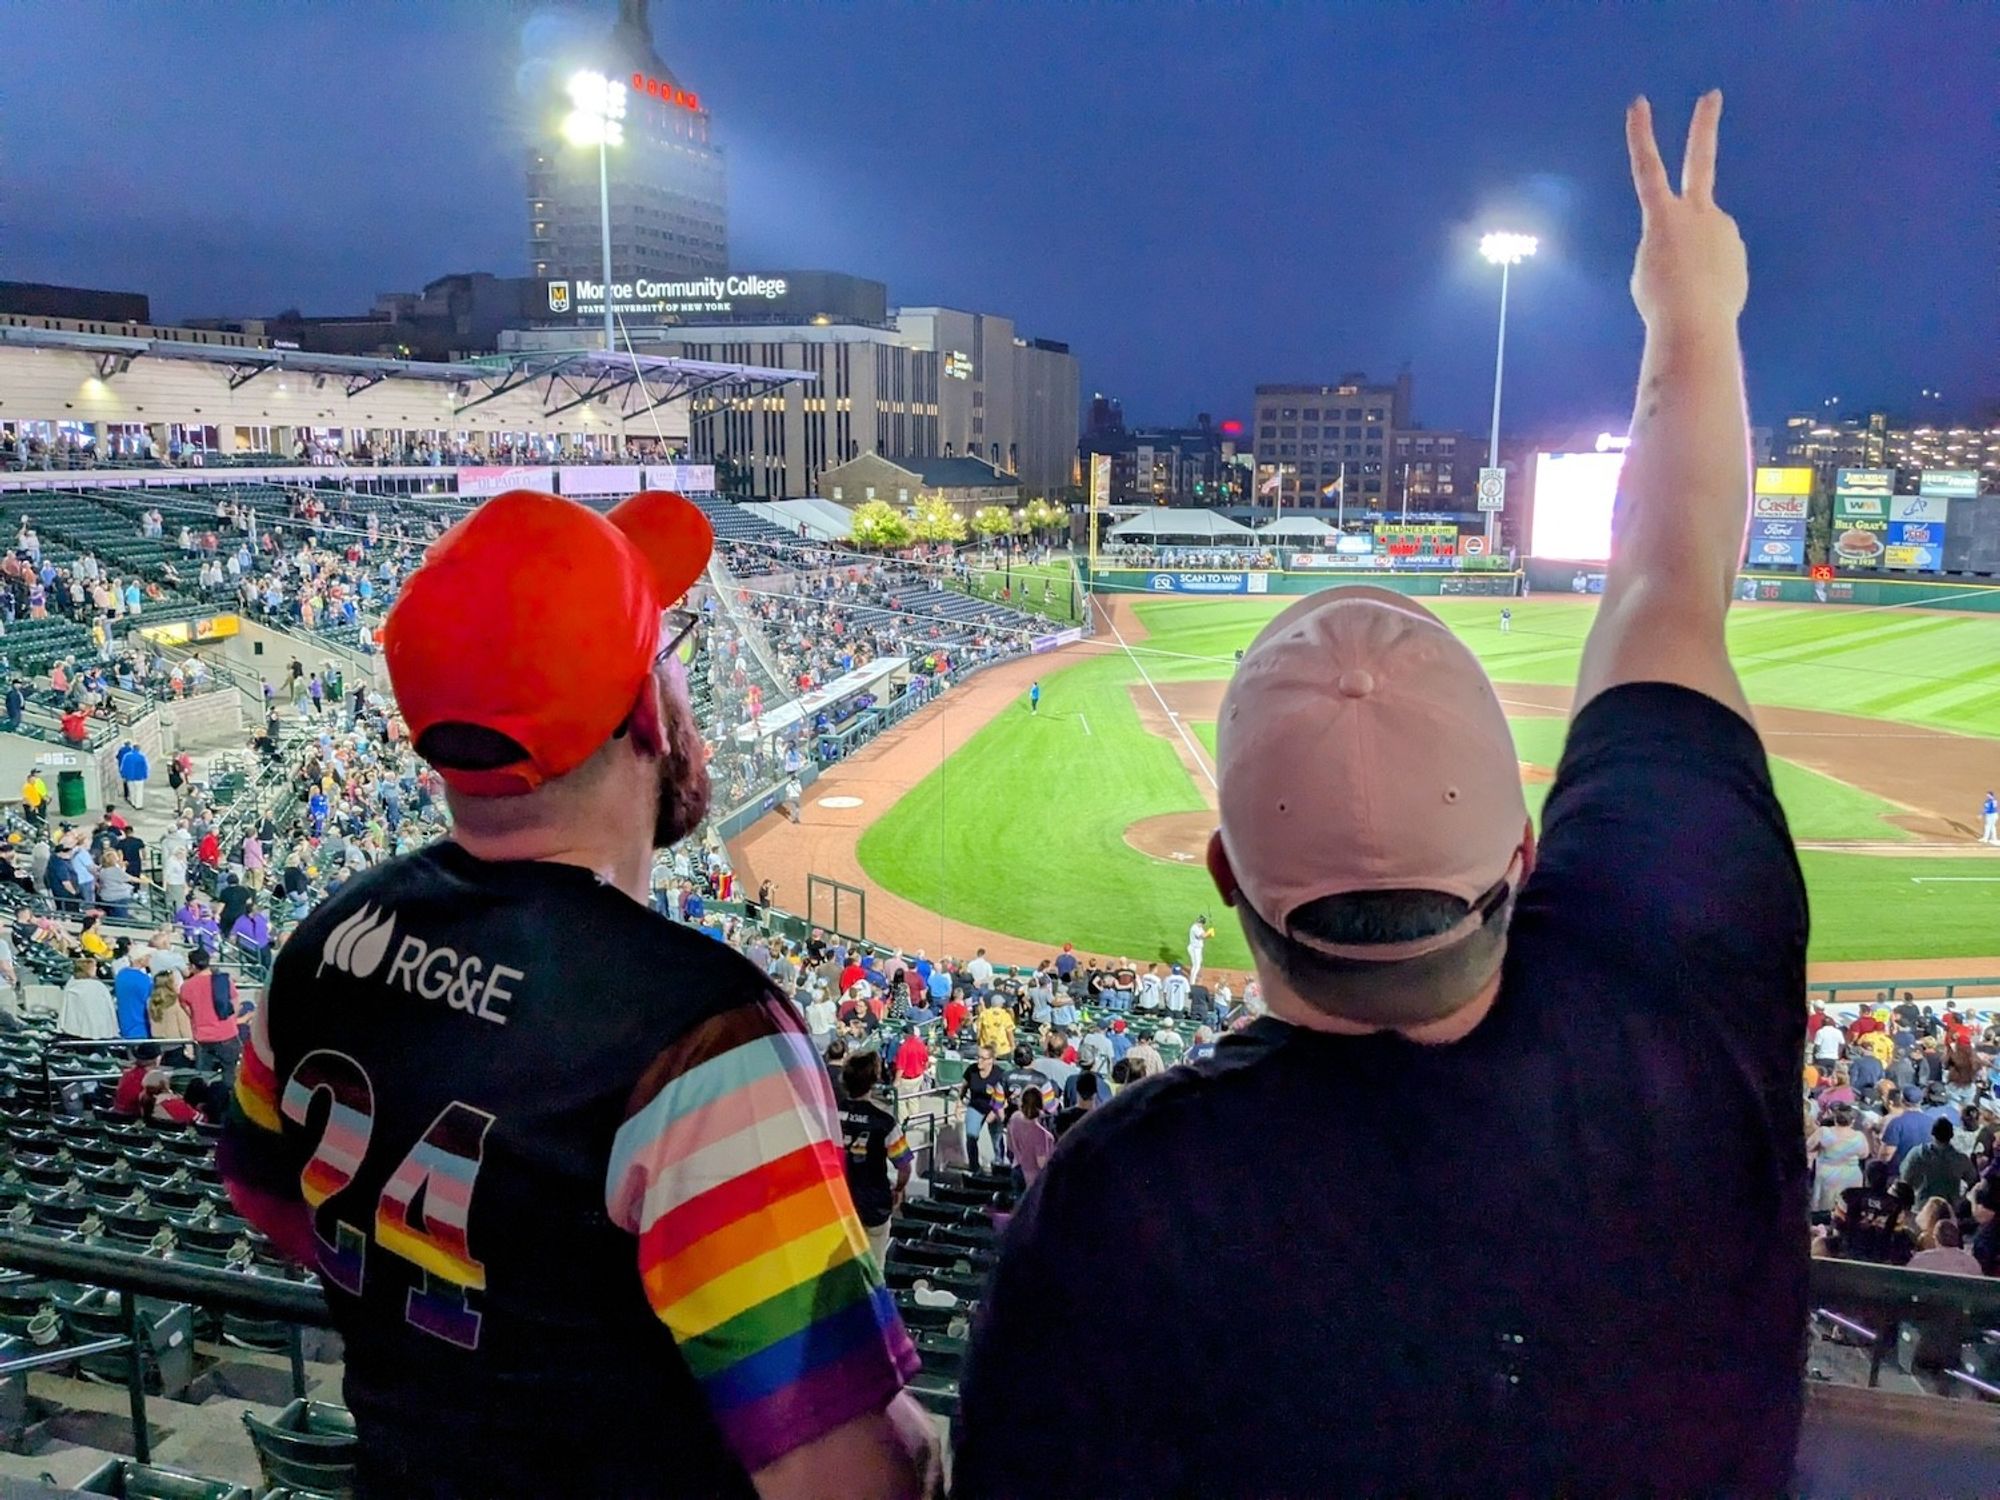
{"x": 1270, "y": 486}
{"x": 1330, "y": 489}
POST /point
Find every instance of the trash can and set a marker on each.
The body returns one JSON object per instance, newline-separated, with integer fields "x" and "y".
{"x": 71, "y": 799}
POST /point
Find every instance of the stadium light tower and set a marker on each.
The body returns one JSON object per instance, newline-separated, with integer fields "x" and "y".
{"x": 597, "y": 118}
{"x": 1505, "y": 251}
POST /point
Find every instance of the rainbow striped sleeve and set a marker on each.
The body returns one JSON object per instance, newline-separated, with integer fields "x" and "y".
{"x": 730, "y": 1172}
{"x": 898, "y": 1145}
{"x": 256, "y": 1074}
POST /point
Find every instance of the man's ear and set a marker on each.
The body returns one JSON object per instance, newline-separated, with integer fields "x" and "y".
{"x": 1219, "y": 870}
{"x": 1527, "y": 853}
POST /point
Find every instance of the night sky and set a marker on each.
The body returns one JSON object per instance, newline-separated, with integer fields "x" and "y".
{"x": 1196, "y": 199}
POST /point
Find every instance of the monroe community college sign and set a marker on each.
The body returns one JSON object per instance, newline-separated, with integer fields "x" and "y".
{"x": 699, "y": 295}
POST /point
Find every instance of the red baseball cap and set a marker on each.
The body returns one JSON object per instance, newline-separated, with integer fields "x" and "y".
{"x": 538, "y": 619}
{"x": 1361, "y": 747}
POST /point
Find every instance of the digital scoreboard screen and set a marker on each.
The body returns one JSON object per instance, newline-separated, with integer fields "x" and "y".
{"x": 1574, "y": 495}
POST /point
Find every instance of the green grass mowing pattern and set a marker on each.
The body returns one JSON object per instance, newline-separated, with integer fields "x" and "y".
{"x": 1028, "y": 818}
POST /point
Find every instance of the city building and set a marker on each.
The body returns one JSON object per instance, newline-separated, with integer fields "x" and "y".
{"x": 1304, "y": 434}
{"x": 965, "y": 484}
{"x": 1875, "y": 441}
{"x": 1186, "y": 466}
{"x": 904, "y": 384}
{"x": 38, "y": 299}
{"x": 1436, "y": 472}
{"x": 452, "y": 317}
{"x": 668, "y": 186}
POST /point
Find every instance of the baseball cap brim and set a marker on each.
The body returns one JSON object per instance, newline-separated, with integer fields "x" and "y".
{"x": 672, "y": 534}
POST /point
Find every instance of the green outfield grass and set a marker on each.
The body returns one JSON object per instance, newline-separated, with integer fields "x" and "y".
{"x": 1029, "y": 579}
{"x": 1022, "y": 830}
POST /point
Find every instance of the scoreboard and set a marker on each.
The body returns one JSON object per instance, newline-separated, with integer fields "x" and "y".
{"x": 1972, "y": 541}
{"x": 1418, "y": 546}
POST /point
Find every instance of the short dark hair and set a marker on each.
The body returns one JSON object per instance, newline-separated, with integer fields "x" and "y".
{"x": 1941, "y": 1131}
{"x": 199, "y": 958}
{"x": 1363, "y": 918}
{"x": 1023, "y": 1055}
{"x": 1086, "y": 1085}
{"x": 860, "y": 1073}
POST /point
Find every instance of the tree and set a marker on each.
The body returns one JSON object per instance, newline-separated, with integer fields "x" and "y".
{"x": 1042, "y": 516}
{"x": 937, "y": 522}
{"x": 992, "y": 521}
{"x": 879, "y": 524}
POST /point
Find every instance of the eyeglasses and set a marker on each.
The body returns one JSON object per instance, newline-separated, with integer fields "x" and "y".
{"x": 681, "y": 624}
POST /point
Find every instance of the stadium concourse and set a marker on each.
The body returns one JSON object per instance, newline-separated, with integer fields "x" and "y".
{"x": 987, "y": 1048}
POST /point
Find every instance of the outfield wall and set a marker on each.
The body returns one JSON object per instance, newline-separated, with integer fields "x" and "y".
{"x": 1183, "y": 583}
{"x": 1545, "y": 578}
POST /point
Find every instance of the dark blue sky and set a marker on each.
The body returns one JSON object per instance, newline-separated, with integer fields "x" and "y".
{"x": 1196, "y": 198}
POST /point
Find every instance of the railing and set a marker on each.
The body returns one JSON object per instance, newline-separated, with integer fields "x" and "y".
{"x": 1838, "y": 991}
{"x": 133, "y": 1275}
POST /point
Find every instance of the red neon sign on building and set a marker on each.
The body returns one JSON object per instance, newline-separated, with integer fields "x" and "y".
{"x": 654, "y": 88}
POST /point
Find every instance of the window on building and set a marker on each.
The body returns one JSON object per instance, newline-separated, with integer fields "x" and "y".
{"x": 837, "y": 492}
{"x": 1267, "y": 431}
{"x": 1371, "y": 450}
{"x": 1374, "y": 432}
{"x": 1288, "y": 432}
{"x": 1311, "y": 413}
{"x": 1354, "y": 414}
{"x": 1289, "y": 414}
{"x": 1288, "y": 450}
{"x": 871, "y": 492}
{"x": 902, "y": 495}
{"x": 1374, "y": 413}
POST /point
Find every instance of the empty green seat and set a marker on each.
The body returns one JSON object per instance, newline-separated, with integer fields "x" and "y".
{"x": 310, "y": 1446}
{"x": 137, "y": 1481}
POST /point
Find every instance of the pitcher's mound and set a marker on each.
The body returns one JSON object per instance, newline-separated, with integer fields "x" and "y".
{"x": 1181, "y": 838}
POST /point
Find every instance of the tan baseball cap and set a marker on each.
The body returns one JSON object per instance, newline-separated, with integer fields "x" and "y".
{"x": 1362, "y": 747}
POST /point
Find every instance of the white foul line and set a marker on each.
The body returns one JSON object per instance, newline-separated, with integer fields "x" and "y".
{"x": 1955, "y": 880}
{"x": 1172, "y": 718}
{"x": 1085, "y": 723}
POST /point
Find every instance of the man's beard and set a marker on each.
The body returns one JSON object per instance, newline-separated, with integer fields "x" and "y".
{"x": 684, "y": 790}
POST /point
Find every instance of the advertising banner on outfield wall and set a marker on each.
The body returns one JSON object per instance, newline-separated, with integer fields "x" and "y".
{"x": 1861, "y": 507}
{"x": 1776, "y": 543}
{"x": 1784, "y": 481}
{"x": 687, "y": 479}
{"x": 1935, "y": 509}
{"x": 1914, "y": 545}
{"x": 497, "y": 481}
{"x": 600, "y": 479}
{"x": 1365, "y": 559}
{"x": 1780, "y": 507}
{"x": 1858, "y": 541}
{"x": 1209, "y": 583}
{"x": 1864, "y": 481}
{"x": 1949, "y": 484}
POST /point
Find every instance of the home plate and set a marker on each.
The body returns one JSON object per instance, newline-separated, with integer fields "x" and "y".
{"x": 840, "y": 802}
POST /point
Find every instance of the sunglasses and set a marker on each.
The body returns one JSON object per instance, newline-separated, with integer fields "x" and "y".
{"x": 679, "y": 625}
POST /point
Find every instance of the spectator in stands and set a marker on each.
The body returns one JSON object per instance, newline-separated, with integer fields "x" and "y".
{"x": 1028, "y": 1139}
{"x": 874, "y": 1143}
{"x": 132, "y": 992}
{"x": 1938, "y": 1169}
{"x": 35, "y": 797}
{"x": 558, "y": 801}
{"x": 115, "y": 888}
{"x": 1415, "y": 943}
{"x": 1052, "y": 1065}
{"x": 1838, "y": 1152}
{"x": 1907, "y": 1126}
{"x": 1869, "y": 1223}
{"x": 208, "y": 997}
{"x": 983, "y": 1091}
{"x": 17, "y": 704}
{"x": 995, "y": 1027}
{"x": 1946, "y": 1253}
{"x": 1986, "y": 1216}
{"x": 87, "y": 1009}
{"x": 1088, "y": 1086}
{"x": 133, "y": 772}
{"x": 913, "y": 1066}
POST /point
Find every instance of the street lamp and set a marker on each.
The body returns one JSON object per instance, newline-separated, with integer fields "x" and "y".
{"x": 1505, "y": 251}
{"x": 597, "y": 118}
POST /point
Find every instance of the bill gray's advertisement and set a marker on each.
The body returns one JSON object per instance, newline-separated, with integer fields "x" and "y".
{"x": 1775, "y": 543}
{"x": 1857, "y": 541}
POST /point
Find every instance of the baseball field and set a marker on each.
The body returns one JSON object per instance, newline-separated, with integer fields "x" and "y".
{"x": 1085, "y": 822}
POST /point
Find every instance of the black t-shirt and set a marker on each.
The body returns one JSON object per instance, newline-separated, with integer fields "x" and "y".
{"x": 1457, "y": 1269}
{"x": 1870, "y": 1229}
{"x": 981, "y": 1088}
{"x": 543, "y": 1003}
{"x": 866, "y": 1129}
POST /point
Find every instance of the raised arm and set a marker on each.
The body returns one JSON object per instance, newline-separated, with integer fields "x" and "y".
{"x": 1683, "y": 503}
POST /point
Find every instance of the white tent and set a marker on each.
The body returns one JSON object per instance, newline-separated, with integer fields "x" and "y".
{"x": 1204, "y": 525}
{"x": 1312, "y": 528}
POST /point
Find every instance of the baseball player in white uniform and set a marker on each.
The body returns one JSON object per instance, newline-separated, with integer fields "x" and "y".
{"x": 1197, "y": 938}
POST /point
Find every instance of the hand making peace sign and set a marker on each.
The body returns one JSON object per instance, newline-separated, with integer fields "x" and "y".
{"x": 1691, "y": 271}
